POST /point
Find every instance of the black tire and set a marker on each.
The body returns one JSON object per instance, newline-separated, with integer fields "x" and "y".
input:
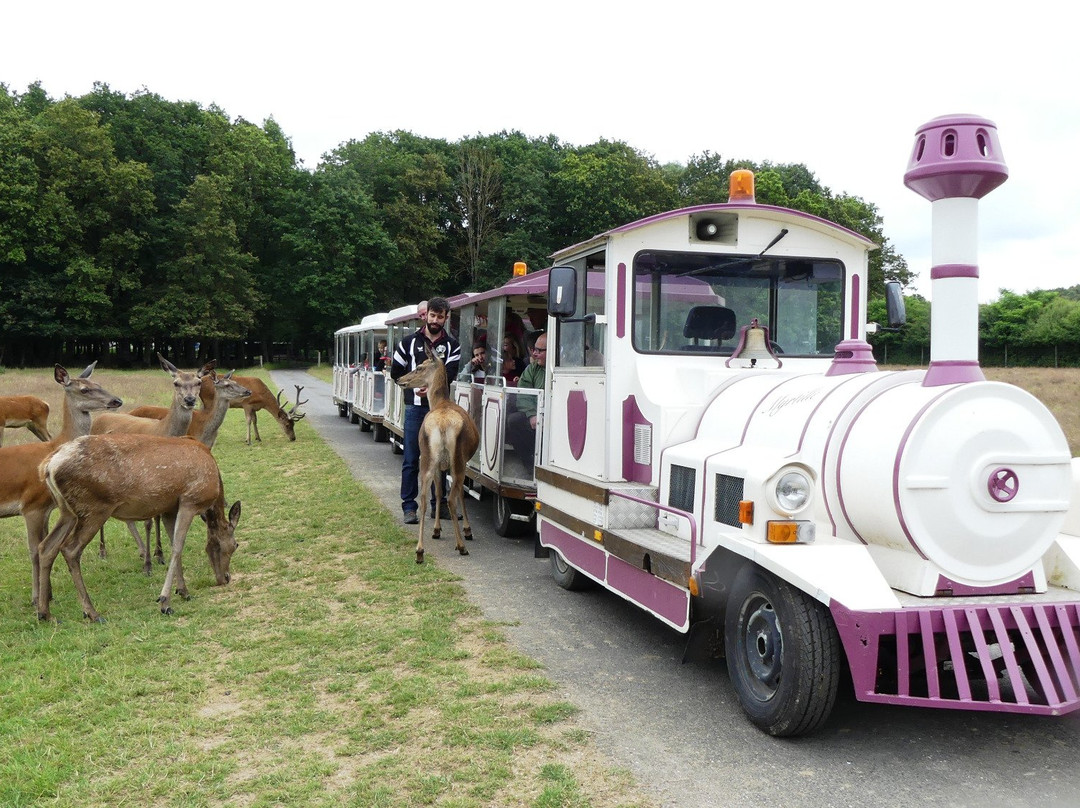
{"x": 342, "y": 410}
{"x": 783, "y": 654}
{"x": 566, "y": 576}
{"x": 396, "y": 448}
{"x": 365, "y": 426}
{"x": 354, "y": 417}
{"x": 504, "y": 525}
{"x": 380, "y": 433}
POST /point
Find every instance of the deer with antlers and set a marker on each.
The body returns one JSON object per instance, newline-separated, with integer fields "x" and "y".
{"x": 217, "y": 392}
{"x": 134, "y": 478}
{"x": 22, "y": 491}
{"x": 262, "y": 399}
{"x": 28, "y": 411}
{"x": 448, "y": 438}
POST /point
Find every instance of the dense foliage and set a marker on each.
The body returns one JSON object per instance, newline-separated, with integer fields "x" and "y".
{"x": 130, "y": 223}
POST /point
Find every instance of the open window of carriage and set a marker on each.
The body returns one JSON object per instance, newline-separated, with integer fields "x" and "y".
{"x": 700, "y": 302}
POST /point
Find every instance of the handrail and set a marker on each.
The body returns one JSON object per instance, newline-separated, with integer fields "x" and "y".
{"x": 667, "y": 509}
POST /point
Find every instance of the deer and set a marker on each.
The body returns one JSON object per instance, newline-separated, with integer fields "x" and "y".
{"x": 134, "y": 478}
{"x": 217, "y": 393}
{"x": 448, "y": 438}
{"x": 28, "y": 411}
{"x": 22, "y": 491}
{"x": 263, "y": 399}
{"x": 186, "y": 388}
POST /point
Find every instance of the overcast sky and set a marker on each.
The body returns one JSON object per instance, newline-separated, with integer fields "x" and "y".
{"x": 838, "y": 86}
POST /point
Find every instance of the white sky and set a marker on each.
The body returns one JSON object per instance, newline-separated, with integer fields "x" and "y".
{"x": 838, "y": 86}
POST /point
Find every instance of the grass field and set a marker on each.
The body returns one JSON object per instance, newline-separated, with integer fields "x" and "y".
{"x": 332, "y": 671}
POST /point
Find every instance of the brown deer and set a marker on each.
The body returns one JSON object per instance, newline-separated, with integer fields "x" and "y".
{"x": 204, "y": 427}
{"x": 134, "y": 478}
{"x": 28, "y": 411}
{"x": 22, "y": 491}
{"x": 186, "y": 387}
{"x": 217, "y": 393}
{"x": 263, "y": 399}
{"x": 448, "y": 438}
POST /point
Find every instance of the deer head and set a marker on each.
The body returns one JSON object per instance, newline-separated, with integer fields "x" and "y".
{"x": 220, "y": 539}
{"x": 288, "y": 417}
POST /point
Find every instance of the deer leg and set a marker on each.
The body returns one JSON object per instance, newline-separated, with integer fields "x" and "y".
{"x": 72, "y": 548}
{"x": 254, "y": 425}
{"x": 456, "y": 499}
{"x": 144, "y": 549}
{"x": 176, "y": 527}
{"x": 437, "y": 482}
{"x": 47, "y": 551}
{"x": 425, "y": 481}
{"x": 36, "y": 528}
{"x": 460, "y": 489}
{"x": 101, "y": 543}
{"x": 159, "y": 556}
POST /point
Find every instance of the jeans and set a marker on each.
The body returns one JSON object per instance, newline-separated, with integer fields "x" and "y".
{"x": 410, "y": 464}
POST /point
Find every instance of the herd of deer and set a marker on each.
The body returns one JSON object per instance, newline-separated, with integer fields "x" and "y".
{"x": 152, "y": 463}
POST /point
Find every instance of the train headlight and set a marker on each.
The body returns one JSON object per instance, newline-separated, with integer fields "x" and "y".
{"x": 791, "y": 491}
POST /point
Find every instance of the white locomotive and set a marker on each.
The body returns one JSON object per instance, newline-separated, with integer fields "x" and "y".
{"x": 720, "y": 448}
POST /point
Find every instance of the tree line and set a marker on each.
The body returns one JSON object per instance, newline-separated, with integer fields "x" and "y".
{"x": 130, "y": 223}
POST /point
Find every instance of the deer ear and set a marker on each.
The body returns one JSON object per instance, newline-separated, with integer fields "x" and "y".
{"x": 61, "y": 375}
{"x": 234, "y": 513}
{"x": 166, "y": 365}
{"x": 88, "y": 370}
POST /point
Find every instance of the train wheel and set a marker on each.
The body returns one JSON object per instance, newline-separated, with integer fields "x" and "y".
{"x": 380, "y": 433}
{"x": 505, "y": 525}
{"x": 783, "y": 654}
{"x": 365, "y": 425}
{"x": 566, "y": 576}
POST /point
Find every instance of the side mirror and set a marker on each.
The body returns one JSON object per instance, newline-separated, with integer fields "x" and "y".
{"x": 894, "y": 304}
{"x": 562, "y": 291}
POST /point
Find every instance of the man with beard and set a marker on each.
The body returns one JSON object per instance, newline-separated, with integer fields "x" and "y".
{"x": 408, "y": 355}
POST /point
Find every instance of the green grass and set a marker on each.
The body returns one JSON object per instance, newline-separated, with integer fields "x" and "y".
{"x": 332, "y": 671}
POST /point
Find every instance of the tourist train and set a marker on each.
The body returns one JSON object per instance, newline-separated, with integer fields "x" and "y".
{"x": 718, "y": 446}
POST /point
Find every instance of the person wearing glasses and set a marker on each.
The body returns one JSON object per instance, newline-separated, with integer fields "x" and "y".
{"x": 521, "y": 425}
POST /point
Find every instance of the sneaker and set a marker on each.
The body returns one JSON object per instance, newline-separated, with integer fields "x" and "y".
{"x": 411, "y": 518}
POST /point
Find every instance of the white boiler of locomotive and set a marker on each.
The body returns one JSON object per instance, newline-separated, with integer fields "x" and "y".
{"x": 959, "y": 488}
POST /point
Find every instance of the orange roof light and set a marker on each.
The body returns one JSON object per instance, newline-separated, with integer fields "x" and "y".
{"x": 741, "y": 186}
{"x": 520, "y": 269}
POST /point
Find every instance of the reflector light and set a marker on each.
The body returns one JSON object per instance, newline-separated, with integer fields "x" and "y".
{"x": 746, "y": 511}
{"x": 790, "y": 532}
{"x": 741, "y": 186}
{"x": 520, "y": 269}
{"x": 695, "y": 590}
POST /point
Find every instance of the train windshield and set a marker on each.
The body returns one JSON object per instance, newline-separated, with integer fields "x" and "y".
{"x": 700, "y": 302}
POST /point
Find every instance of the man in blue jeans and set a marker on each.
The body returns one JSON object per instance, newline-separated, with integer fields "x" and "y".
{"x": 408, "y": 355}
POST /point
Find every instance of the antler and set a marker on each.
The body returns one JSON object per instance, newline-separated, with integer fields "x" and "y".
{"x": 294, "y": 413}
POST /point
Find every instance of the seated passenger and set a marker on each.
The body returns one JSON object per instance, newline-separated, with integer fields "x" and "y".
{"x": 521, "y": 424}
{"x": 513, "y": 365}
{"x": 475, "y": 367}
